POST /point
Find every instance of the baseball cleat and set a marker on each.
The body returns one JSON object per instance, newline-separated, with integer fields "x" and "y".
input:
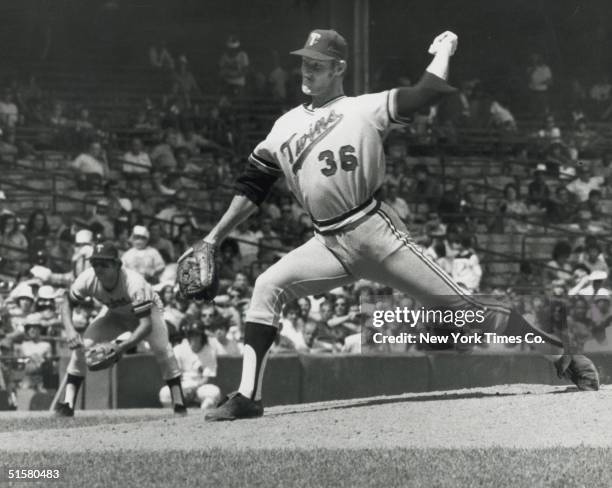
{"x": 582, "y": 372}
{"x": 63, "y": 410}
{"x": 235, "y": 406}
{"x": 180, "y": 409}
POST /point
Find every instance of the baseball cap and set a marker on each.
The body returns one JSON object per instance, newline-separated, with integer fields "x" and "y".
{"x": 324, "y": 45}
{"x": 140, "y": 231}
{"x": 106, "y": 250}
{"x": 47, "y": 292}
{"x": 22, "y": 290}
{"x": 83, "y": 236}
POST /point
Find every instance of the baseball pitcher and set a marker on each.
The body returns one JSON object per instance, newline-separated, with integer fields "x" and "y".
{"x": 330, "y": 152}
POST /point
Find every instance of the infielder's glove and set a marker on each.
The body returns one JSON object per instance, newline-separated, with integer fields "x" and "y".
{"x": 102, "y": 355}
{"x": 197, "y": 274}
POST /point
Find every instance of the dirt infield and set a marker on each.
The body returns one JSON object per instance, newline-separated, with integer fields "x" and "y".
{"x": 478, "y": 427}
{"x": 520, "y": 416}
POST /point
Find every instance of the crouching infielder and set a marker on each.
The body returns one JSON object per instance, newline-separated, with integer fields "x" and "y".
{"x": 131, "y": 309}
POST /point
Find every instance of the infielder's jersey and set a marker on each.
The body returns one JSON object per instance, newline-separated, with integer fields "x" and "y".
{"x": 132, "y": 296}
{"x": 331, "y": 156}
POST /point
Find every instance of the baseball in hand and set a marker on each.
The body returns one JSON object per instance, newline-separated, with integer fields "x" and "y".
{"x": 447, "y": 41}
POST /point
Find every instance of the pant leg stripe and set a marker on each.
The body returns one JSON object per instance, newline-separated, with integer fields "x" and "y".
{"x": 434, "y": 267}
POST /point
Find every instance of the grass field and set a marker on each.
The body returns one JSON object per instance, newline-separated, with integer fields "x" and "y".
{"x": 506, "y": 436}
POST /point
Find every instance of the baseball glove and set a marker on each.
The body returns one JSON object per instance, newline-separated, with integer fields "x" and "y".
{"x": 102, "y": 355}
{"x": 196, "y": 274}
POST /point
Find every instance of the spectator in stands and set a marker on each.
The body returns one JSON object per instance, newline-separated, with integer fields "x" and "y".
{"x": 185, "y": 238}
{"x": 594, "y": 205}
{"x": 37, "y": 231}
{"x": 603, "y": 166}
{"x": 589, "y": 284}
{"x": 185, "y": 86}
{"x": 9, "y": 113}
{"x": 539, "y": 81}
{"x": 582, "y": 186}
{"x": 438, "y": 251}
{"x": 218, "y": 129}
{"x": 233, "y": 67}
{"x": 219, "y": 340}
{"x": 141, "y": 257}
{"x": 599, "y": 95}
{"x": 550, "y": 133}
{"x": 465, "y": 266}
{"x": 92, "y": 164}
{"x": 584, "y": 138}
{"x": 396, "y": 202}
{"x": 118, "y": 201}
{"x": 344, "y": 321}
{"x": 558, "y": 160}
{"x": 538, "y": 191}
{"x": 559, "y": 270}
{"x": 8, "y": 146}
{"x": 36, "y": 351}
{"x": 19, "y": 304}
{"x": 159, "y": 242}
{"x": 457, "y": 203}
{"x": 13, "y": 243}
{"x": 513, "y": 210}
{"x": 593, "y": 258}
{"x": 500, "y": 117}
{"x": 176, "y": 213}
{"x": 426, "y": 188}
{"x": 102, "y": 220}
{"x": 137, "y": 156}
{"x": 248, "y": 237}
{"x": 561, "y": 209}
{"x": 195, "y": 143}
{"x": 291, "y": 327}
{"x": 229, "y": 261}
{"x": 160, "y": 57}
{"x": 162, "y": 155}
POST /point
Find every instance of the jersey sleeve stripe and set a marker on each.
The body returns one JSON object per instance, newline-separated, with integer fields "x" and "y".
{"x": 392, "y": 108}
{"x": 264, "y": 165}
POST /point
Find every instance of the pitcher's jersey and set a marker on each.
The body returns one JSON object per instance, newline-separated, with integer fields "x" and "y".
{"x": 132, "y": 296}
{"x": 331, "y": 156}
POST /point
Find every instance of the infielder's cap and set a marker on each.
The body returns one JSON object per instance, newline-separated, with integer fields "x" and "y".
{"x": 106, "y": 250}
{"x": 140, "y": 231}
{"x": 324, "y": 45}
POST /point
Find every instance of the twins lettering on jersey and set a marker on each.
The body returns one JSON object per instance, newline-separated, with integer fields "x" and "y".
{"x": 303, "y": 145}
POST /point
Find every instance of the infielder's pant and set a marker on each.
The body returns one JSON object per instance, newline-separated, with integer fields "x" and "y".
{"x": 377, "y": 248}
{"x": 108, "y": 325}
